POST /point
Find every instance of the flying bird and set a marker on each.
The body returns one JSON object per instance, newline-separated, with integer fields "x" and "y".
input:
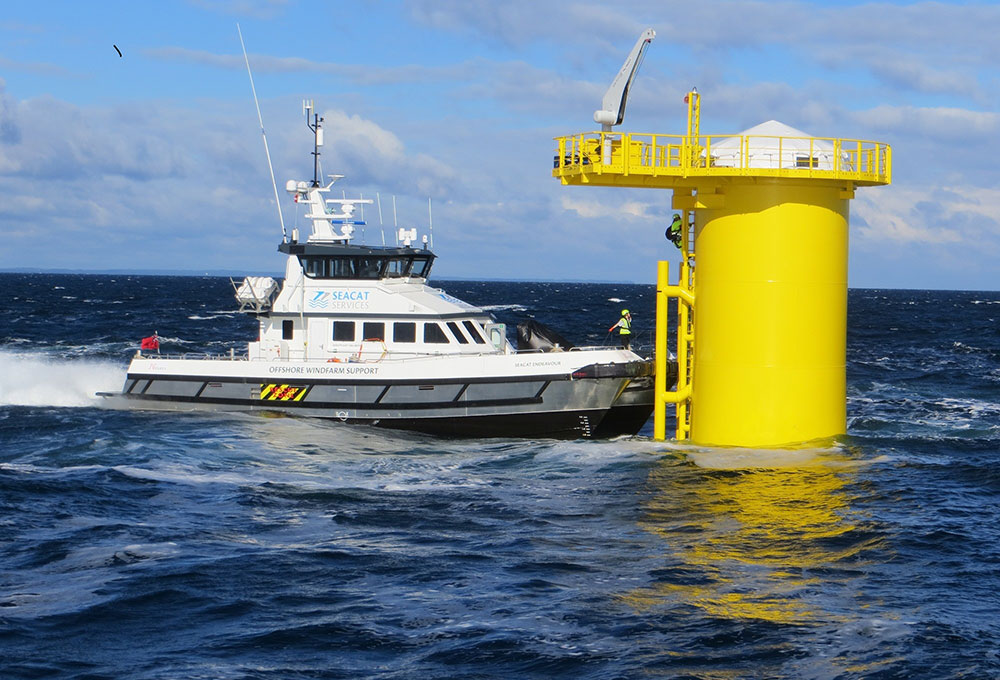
{"x": 117, "y": 50}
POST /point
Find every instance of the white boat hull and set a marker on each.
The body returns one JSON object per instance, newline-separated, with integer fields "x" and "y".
{"x": 587, "y": 393}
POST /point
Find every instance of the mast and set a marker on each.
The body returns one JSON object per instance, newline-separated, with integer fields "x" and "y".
{"x": 308, "y": 109}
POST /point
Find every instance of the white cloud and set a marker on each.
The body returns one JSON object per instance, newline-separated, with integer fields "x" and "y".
{"x": 929, "y": 215}
{"x": 942, "y": 123}
{"x": 356, "y": 73}
{"x": 593, "y": 209}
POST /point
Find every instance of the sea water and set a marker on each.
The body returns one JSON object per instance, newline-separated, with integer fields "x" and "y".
{"x": 173, "y": 545}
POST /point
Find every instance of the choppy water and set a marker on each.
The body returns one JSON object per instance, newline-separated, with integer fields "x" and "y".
{"x": 143, "y": 545}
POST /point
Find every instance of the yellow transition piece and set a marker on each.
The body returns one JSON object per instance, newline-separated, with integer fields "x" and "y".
{"x": 771, "y": 315}
{"x": 765, "y": 274}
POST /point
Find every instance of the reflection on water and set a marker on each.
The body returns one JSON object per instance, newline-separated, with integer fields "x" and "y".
{"x": 776, "y": 542}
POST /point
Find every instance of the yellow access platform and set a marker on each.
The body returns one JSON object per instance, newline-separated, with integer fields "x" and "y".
{"x": 762, "y": 291}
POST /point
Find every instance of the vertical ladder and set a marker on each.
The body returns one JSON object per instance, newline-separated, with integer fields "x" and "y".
{"x": 685, "y": 330}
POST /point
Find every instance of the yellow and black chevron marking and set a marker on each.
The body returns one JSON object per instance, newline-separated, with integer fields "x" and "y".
{"x": 278, "y": 392}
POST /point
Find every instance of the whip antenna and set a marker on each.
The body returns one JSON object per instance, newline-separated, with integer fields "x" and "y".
{"x": 378, "y": 199}
{"x": 267, "y": 152}
{"x": 430, "y": 220}
{"x": 395, "y": 224}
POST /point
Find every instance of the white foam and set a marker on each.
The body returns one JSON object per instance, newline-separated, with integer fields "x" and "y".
{"x": 29, "y": 379}
{"x": 510, "y": 308}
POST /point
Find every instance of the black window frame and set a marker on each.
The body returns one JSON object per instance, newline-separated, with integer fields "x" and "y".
{"x": 424, "y": 264}
{"x": 287, "y": 329}
{"x": 404, "y": 331}
{"x": 473, "y": 329}
{"x": 457, "y": 332}
{"x": 369, "y": 332}
{"x": 434, "y": 328}
{"x": 339, "y": 325}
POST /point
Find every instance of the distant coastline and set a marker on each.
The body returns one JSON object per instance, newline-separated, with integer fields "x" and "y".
{"x": 241, "y": 273}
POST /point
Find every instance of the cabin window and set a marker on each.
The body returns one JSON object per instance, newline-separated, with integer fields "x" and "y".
{"x": 457, "y": 333}
{"x": 287, "y": 328}
{"x": 369, "y": 267}
{"x": 421, "y": 267}
{"x": 374, "y": 330}
{"x": 434, "y": 334}
{"x": 315, "y": 267}
{"x": 474, "y": 333}
{"x": 404, "y": 331}
{"x": 396, "y": 267}
{"x": 343, "y": 331}
{"x": 342, "y": 268}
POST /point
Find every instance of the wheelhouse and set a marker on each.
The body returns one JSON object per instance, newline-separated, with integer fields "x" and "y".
{"x": 338, "y": 261}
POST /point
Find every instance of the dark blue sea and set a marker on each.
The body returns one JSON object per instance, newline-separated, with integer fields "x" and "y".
{"x": 156, "y": 545}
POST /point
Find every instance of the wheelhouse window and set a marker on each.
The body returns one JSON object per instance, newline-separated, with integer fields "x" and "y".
{"x": 366, "y": 266}
{"x": 433, "y": 334}
{"x": 453, "y": 327}
{"x": 342, "y": 268}
{"x": 404, "y": 331}
{"x": 374, "y": 330}
{"x": 396, "y": 267}
{"x": 343, "y": 331}
{"x": 315, "y": 267}
{"x": 369, "y": 267}
{"x": 474, "y": 332}
{"x": 421, "y": 267}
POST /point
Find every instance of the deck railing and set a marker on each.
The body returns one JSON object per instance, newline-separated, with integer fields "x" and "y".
{"x": 650, "y": 156}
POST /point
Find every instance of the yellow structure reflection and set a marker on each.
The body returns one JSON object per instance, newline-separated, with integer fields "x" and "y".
{"x": 746, "y": 542}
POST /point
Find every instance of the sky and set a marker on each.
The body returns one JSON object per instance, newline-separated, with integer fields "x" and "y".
{"x": 154, "y": 159}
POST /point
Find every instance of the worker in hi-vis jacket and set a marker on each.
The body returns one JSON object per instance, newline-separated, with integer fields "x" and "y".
{"x": 624, "y": 327}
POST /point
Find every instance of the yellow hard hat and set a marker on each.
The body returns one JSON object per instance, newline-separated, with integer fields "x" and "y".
{"x": 624, "y": 312}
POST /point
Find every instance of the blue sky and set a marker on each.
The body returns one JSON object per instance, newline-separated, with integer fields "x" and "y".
{"x": 154, "y": 160}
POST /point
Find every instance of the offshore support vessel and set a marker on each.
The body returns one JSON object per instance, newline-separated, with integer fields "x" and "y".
{"x": 354, "y": 333}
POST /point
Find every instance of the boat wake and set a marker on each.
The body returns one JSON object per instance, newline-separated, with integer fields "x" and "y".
{"x": 29, "y": 379}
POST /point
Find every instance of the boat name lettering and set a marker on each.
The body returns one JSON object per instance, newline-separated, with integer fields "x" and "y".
{"x": 325, "y": 370}
{"x": 522, "y": 364}
{"x": 350, "y": 294}
{"x": 339, "y": 299}
{"x": 349, "y": 305}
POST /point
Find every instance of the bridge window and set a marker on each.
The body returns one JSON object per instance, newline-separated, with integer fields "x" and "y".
{"x": 396, "y": 267}
{"x": 421, "y": 267}
{"x": 315, "y": 267}
{"x": 343, "y": 331}
{"x": 369, "y": 267}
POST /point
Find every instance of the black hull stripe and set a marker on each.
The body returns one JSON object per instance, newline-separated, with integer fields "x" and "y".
{"x": 333, "y": 405}
{"x": 354, "y": 381}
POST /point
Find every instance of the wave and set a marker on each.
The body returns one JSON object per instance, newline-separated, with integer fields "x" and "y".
{"x": 511, "y": 308}
{"x": 32, "y": 379}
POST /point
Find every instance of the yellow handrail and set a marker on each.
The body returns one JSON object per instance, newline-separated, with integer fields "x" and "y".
{"x": 675, "y": 156}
